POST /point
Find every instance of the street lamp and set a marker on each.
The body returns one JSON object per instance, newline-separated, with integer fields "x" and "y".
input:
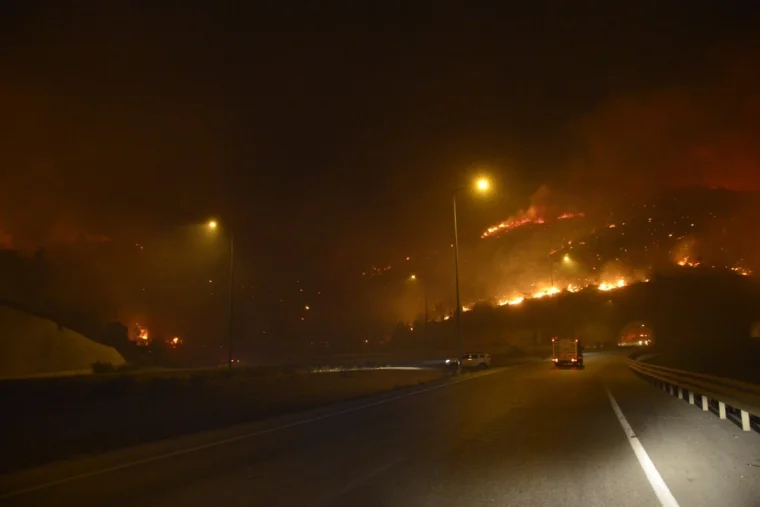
{"x": 565, "y": 259}
{"x": 213, "y": 225}
{"x": 481, "y": 185}
{"x": 413, "y": 278}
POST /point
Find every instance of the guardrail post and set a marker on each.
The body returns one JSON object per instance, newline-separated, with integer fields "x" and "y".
{"x": 691, "y": 398}
{"x": 672, "y": 390}
{"x": 680, "y": 393}
{"x": 721, "y": 410}
{"x": 705, "y": 402}
{"x": 745, "y": 421}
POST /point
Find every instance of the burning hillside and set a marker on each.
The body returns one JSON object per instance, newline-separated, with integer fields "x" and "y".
{"x": 687, "y": 229}
{"x": 539, "y": 253}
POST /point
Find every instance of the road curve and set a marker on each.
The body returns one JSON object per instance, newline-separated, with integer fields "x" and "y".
{"x": 526, "y": 435}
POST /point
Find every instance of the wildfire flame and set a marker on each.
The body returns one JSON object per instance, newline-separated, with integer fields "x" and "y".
{"x": 141, "y": 337}
{"x": 605, "y": 286}
{"x": 546, "y": 292}
{"x": 513, "y": 301}
{"x": 687, "y": 262}
{"x": 514, "y": 223}
{"x": 509, "y": 225}
{"x": 742, "y": 271}
{"x": 565, "y": 216}
{"x": 551, "y": 291}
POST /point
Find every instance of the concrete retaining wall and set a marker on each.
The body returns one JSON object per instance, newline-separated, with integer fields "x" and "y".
{"x": 33, "y": 346}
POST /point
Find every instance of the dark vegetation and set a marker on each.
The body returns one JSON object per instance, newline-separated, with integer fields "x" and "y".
{"x": 57, "y": 418}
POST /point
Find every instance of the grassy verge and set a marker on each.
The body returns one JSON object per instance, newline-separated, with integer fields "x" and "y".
{"x": 50, "y": 419}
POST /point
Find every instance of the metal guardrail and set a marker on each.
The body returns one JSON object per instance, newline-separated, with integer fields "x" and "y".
{"x": 742, "y": 397}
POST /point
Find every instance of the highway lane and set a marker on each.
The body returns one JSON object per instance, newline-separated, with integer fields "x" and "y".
{"x": 526, "y": 435}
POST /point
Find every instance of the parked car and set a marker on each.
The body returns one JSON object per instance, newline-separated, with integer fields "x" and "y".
{"x": 479, "y": 360}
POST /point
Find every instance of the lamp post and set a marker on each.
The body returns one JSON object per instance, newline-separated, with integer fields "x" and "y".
{"x": 552, "y": 262}
{"x": 414, "y": 278}
{"x": 213, "y": 225}
{"x": 481, "y": 185}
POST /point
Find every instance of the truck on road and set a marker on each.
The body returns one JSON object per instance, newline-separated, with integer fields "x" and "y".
{"x": 567, "y": 352}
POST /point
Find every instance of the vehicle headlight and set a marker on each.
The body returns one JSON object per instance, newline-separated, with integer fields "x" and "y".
{"x": 448, "y": 361}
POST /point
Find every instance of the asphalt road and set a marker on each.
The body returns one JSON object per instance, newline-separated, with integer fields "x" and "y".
{"x": 526, "y": 435}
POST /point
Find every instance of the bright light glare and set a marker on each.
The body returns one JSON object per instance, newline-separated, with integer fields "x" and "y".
{"x": 212, "y": 224}
{"x": 483, "y": 185}
{"x": 566, "y": 258}
{"x": 413, "y": 277}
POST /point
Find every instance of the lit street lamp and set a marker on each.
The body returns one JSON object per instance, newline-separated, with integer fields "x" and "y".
{"x": 566, "y": 259}
{"x": 414, "y": 278}
{"x": 482, "y": 185}
{"x": 213, "y": 225}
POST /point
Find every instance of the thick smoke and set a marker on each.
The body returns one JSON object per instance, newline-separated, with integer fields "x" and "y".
{"x": 632, "y": 149}
{"x": 699, "y": 135}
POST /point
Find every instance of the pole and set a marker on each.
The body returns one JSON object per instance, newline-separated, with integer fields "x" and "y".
{"x": 551, "y": 269}
{"x": 232, "y": 282}
{"x": 456, "y": 277}
{"x": 424, "y": 289}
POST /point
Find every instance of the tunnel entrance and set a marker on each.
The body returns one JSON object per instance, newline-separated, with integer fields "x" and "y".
{"x": 636, "y": 334}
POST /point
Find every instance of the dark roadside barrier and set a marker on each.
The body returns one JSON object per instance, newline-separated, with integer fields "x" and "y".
{"x": 728, "y": 398}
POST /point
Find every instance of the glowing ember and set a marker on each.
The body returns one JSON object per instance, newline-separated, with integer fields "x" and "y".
{"x": 466, "y": 308}
{"x": 742, "y": 271}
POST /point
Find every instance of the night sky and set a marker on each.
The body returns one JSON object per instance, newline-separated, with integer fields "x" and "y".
{"x": 329, "y": 137}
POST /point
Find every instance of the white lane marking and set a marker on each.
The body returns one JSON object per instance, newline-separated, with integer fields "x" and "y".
{"x": 661, "y": 489}
{"x": 237, "y": 438}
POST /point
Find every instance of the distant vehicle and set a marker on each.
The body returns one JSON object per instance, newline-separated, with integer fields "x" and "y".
{"x": 567, "y": 352}
{"x": 479, "y": 360}
{"x": 635, "y": 343}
